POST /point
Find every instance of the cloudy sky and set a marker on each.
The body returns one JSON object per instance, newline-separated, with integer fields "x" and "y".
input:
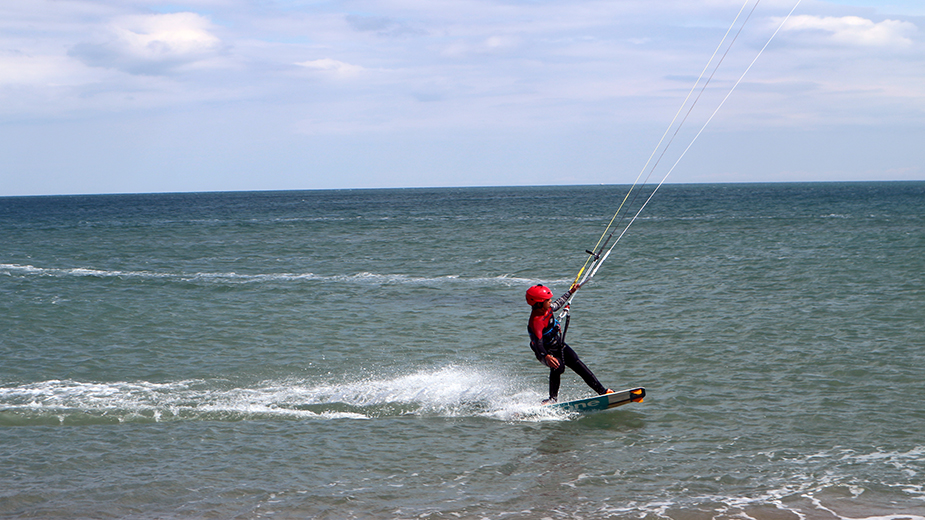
{"x": 110, "y": 96}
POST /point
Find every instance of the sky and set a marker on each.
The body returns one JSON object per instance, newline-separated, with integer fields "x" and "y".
{"x": 139, "y": 96}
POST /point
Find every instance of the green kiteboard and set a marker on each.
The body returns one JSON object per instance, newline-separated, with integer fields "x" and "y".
{"x": 601, "y": 402}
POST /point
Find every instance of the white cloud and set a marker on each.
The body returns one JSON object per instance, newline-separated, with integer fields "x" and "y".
{"x": 152, "y": 44}
{"x": 854, "y": 30}
{"x": 333, "y": 66}
{"x": 47, "y": 70}
{"x": 160, "y": 35}
{"x": 495, "y": 44}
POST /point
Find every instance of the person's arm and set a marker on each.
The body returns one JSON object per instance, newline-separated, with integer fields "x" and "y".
{"x": 536, "y": 339}
{"x": 536, "y": 343}
{"x": 562, "y": 300}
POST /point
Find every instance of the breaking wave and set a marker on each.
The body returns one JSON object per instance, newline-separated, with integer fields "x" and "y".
{"x": 233, "y": 277}
{"x": 446, "y": 392}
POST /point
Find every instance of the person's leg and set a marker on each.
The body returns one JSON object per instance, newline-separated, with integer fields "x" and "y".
{"x": 572, "y": 361}
{"x": 555, "y": 379}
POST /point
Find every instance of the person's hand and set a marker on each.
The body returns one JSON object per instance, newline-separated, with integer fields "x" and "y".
{"x": 574, "y": 288}
{"x": 551, "y": 361}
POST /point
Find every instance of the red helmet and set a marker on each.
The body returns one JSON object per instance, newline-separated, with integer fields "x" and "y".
{"x": 537, "y": 294}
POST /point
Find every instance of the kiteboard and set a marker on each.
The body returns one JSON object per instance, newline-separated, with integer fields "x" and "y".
{"x": 601, "y": 402}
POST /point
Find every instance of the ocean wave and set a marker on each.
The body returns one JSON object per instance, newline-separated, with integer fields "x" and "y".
{"x": 802, "y": 506}
{"x": 800, "y": 495}
{"x": 233, "y": 277}
{"x": 446, "y": 392}
{"x": 820, "y": 485}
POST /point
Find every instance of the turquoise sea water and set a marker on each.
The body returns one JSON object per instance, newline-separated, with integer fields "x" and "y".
{"x": 363, "y": 354}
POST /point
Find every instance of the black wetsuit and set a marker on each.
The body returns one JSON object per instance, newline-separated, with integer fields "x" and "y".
{"x": 552, "y": 342}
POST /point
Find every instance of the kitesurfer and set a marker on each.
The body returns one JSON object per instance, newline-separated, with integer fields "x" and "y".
{"x": 548, "y": 344}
